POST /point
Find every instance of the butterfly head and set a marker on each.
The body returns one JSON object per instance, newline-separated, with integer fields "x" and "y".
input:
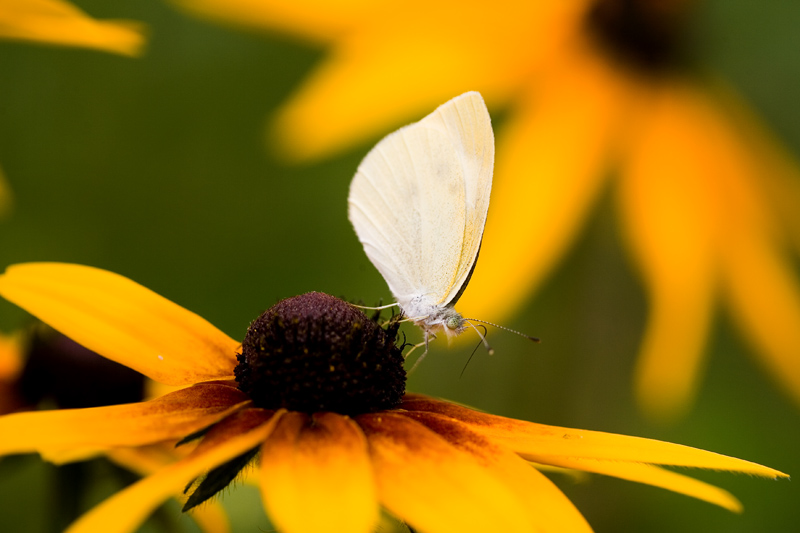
{"x": 437, "y": 317}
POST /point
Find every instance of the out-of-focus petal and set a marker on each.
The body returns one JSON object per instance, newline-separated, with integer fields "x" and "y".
{"x": 61, "y": 23}
{"x": 671, "y": 218}
{"x": 124, "y": 511}
{"x": 11, "y": 346}
{"x": 551, "y": 159}
{"x": 10, "y": 355}
{"x": 549, "y": 509}
{"x": 774, "y": 169}
{"x": 313, "y": 20}
{"x": 6, "y": 197}
{"x": 539, "y": 440}
{"x": 765, "y": 301}
{"x": 211, "y": 517}
{"x": 71, "y": 434}
{"x": 434, "y": 486}
{"x": 653, "y": 475}
{"x": 320, "y": 464}
{"x": 123, "y": 321}
{"x": 401, "y": 65}
{"x": 145, "y": 460}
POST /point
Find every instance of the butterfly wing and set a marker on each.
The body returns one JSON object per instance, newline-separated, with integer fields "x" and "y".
{"x": 419, "y": 199}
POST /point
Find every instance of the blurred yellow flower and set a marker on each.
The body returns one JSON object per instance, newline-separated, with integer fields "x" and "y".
{"x": 319, "y": 391}
{"x": 709, "y": 201}
{"x": 61, "y": 23}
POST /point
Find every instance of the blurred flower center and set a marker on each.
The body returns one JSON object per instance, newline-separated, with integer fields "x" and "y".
{"x": 61, "y": 371}
{"x": 315, "y": 353}
{"x": 648, "y": 35}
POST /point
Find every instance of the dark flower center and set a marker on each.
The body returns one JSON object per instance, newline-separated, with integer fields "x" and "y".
{"x": 646, "y": 34}
{"x": 316, "y": 353}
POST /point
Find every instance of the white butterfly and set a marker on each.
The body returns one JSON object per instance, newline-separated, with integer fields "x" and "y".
{"x": 418, "y": 203}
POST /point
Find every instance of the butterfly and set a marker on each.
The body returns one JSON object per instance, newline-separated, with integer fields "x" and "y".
{"x": 418, "y": 203}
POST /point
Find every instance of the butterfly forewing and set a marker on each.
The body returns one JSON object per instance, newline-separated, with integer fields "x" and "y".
{"x": 419, "y": 200}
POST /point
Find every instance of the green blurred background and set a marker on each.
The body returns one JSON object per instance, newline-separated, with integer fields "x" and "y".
{"x": 156, "y": 168}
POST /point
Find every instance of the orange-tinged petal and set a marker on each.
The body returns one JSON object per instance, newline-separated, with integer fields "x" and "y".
{"x": 652, "y": 475}
{"x": 314, "y": 20}
{"x": 71, "y": 434}
{"x": 763, "y": 290}
{"x": 432, "y": 485}
{"x": 61, "y": 23}
{"x": 123, "y": 321}
{"x": 318, "y": 462}
{"x": 124, "y": 511}
{"x": 549, "y": 509}
{"x": 10, "y": 355}
{"x": 531, "y": 439}
{"x": 670, "y": 211}
{"x": 551, "y": 159}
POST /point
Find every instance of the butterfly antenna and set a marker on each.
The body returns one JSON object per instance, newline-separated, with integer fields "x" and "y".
{"x": 530, "y": 338}
{"x": 473, "y": 352}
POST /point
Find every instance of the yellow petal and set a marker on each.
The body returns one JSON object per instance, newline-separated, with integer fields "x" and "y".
{"x": 652, "y": 475}
{"x": 320, "y": 463}
{"x": 775, "y": 170}
{"x": 434, "y": 486}
{"x": 765, "y": 299}
{"x": 551, "y": 159}
{"x": 124, "y": 511}
{"x": 314, "y": 20}
{"x": 671, "y": 218}
{"x": 70, "y": 434}
{"x": 529, "y": 438}
{"x": 123, "y": 321}
{"x": 549, "y": 509}
{"x": 211, "y": 517}
{"x": 398, "y": 66}
{"x": 58, "y": 22}
{"x": 145, "y": 460}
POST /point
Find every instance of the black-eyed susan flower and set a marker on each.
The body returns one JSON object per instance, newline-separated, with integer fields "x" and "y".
{"x": 709, "y": 201}
{"x": 60, "y": 23}
{"x": 316, "y": 390}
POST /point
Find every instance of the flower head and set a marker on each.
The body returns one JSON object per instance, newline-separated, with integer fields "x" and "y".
{"x": 433, "y": 464}
{"x": 707, "y": 198}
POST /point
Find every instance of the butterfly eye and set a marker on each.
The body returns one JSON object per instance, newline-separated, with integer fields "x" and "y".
{"x": 454, "y": 322}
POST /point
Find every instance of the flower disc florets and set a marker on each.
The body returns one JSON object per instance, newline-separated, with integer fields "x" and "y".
{"x": 316, "y": 353}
